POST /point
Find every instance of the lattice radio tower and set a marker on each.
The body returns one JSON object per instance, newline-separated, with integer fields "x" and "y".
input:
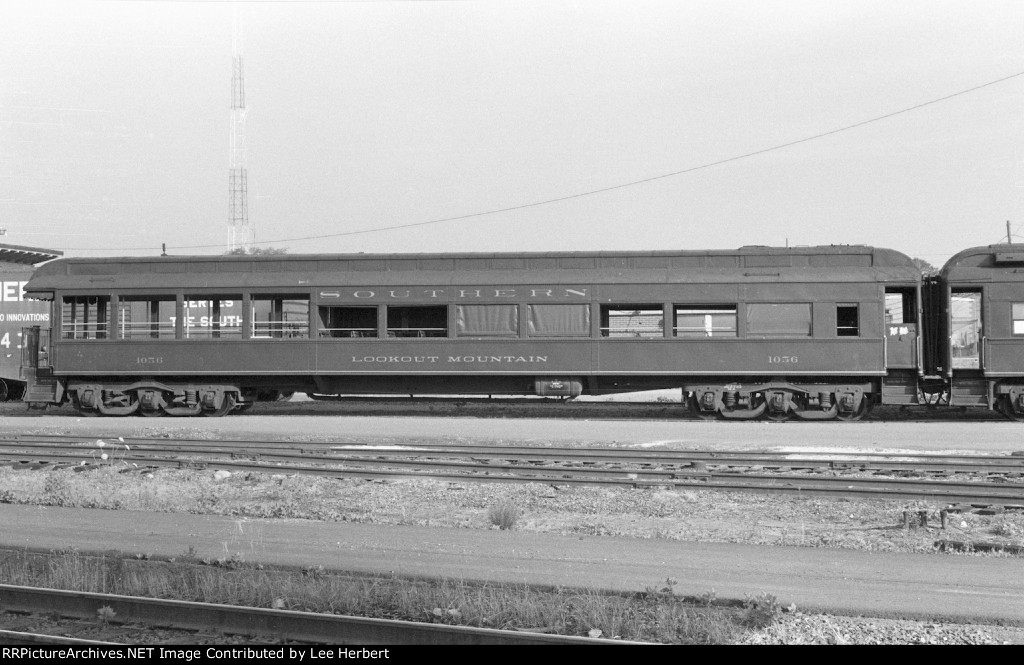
{"x": 239, "y": 231}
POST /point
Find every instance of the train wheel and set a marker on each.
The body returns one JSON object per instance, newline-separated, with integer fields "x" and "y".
{"x": 777, "y": 416}
{"x": 82, "y": 411}
{"x": 225, "y": 408}
{"x": 150, "y": 413}
{"x": 865, "y": 409}
{"x": 4, "y": 392}
{"x": 695, "y": 409}
{"x": 1006, "y": 408}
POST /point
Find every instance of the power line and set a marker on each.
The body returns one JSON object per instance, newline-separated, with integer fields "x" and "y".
{"x": 610, "y": 188}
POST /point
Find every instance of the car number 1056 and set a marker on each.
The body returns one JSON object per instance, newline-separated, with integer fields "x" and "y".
{"x": 778, "y": 360}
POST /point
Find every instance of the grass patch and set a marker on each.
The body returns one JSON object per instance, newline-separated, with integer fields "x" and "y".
{"x": 652, "y": 616}
{"x": 690, "y": 515}
{"x": 504, "y": 515}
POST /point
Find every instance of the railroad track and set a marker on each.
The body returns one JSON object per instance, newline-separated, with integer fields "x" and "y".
{"x": 990, "y": 479}
{"x": 252, "y": 622}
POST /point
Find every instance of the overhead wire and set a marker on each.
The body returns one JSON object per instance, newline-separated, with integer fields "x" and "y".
{"x": 600, "y": 190}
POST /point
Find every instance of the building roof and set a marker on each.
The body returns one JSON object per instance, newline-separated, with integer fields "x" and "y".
{"x": 26, "y": 255}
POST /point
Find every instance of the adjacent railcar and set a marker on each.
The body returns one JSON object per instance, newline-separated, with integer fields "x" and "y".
{"x": 817, "y": 332}
{"x": 978, "y": 321}
{"x": 16, "y": 312}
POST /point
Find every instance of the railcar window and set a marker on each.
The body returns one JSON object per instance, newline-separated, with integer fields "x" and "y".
{"x": 559, "y": 321}
{"x": 428, "y": 321}
{"x": 212, "y": 317}
{"x": 84, "y": 317}
{"x": 965, "y": 337}
{"x": 779, "y": 319}
{"x": 348, "y": 321}
{"x": 279, "y": 316}
{"x": 632, "y": 321}
{"x": 847, "y": 321}
{"x": 1017, "y": 312}
{"x": 705, "y": 321}
{"x": 146, "y": 318}
{"x": 899, "y": 306}
{"x": 487, "y": 320}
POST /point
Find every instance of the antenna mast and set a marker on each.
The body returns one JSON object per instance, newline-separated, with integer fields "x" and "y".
{"x": 239, "y": 231}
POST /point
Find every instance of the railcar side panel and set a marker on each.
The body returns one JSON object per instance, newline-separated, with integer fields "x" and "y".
{"x": 809, "y": 328}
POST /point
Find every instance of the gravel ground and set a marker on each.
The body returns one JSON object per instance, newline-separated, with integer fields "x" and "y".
{"x": 829, "y": 629}
{"x": 695, "y": 515}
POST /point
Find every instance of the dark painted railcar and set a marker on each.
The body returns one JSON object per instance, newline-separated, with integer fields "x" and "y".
{"x": 818, "y": 332}
{"x": 16, "y": 312}
{"x": 979, "y": 329}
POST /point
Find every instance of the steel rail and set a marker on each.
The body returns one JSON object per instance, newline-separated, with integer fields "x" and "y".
{"x": 880, "y": 488}
{"x": 305, "y": 450}
{"x": 431, "y": 444}
{"x": 281, "y": 624}
{"x": 335, "y": 465}
{"x": 14, "y": 637}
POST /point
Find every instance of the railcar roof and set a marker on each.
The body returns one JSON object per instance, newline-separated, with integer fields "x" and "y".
{"x": 982, "y": 262}
{"x": 834, "y": 263}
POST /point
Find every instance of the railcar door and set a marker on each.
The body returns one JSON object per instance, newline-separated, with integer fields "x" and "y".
{"x": 901, "y": 327}
{"x": 29, "y": 348}
{"x": 965, "y": 331}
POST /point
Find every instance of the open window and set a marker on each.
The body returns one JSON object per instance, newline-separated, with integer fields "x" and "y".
{"x": 212, "y": 316}
{"x": 847, "y": 320}
{"x": 85, "y": 317}
{"x": 348, "y": 322}
{"x": 146, "y": 317}
{"x": 705, "y": 321}
{"x": 899, "y": 306}
{"x": 280, "y": 316}
{"x": 632, "y": 321}
{"x": 427, "y": 321}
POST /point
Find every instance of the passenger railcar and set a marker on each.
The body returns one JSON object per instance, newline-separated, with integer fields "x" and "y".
{"x": 818, "y": 332}
{"x": 977, "y": 319}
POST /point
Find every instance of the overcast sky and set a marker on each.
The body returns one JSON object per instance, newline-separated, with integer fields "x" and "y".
{"x": 115, "y": 121}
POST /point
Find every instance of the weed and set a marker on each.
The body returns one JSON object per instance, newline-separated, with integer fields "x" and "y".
{"x": 233, "y": 562}
{"x": 314, "y": 572}
{"x": 57, "y": 489}
{"x": 504, "y": 515}
{"x": 761, "y": 611}
{"x": 1007, "y": 528}
{"x": 105, "y": 614}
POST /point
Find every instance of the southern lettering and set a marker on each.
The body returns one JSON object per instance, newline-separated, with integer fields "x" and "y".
{"x": 490, "y": 293}
{"x": 450, "y": 359}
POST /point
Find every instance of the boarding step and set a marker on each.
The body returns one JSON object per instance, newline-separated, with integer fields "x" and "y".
{"x": 969, "y": 391}
{"x": 900, "y": 387}
{"x": 41, "y": 391}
